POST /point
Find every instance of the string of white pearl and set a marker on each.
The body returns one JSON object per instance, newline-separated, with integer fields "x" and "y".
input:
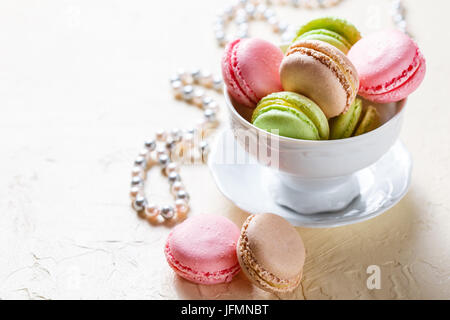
{"x": 398, "y": 13}
{"x": 242, "y": 12}
{"x": 162, "y": 149}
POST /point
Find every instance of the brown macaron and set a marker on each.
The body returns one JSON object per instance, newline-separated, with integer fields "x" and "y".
{"x": 271, "y": 253}
{"x": 322, "y": 73}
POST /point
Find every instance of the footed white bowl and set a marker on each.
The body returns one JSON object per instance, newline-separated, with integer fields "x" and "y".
{"x": 315, "y": 176}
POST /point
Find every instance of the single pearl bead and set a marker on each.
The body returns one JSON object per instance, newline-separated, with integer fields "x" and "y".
{"x": 173, "y": 177}
{"x": 160, "y": 151}
{"x": 161, "y": 135}
{"x": 134, "y": 192}
{"x": 188, "y": 93}
{"x": 163, "y": 160}
{"x": 176, "y": 187}
{"x": 217, "y": 81}
{"x": 269, "y": 13}
{"x": 140, "y": 162}
{"x": 171, "y": 167}
{"x": 176, "y": 134}
{"x": 213, "y": 106}
{"x": 181, "y": 207}
{"x": 187, "y": 78}
{"x": 206, "y": 79}
{"x": 177, "y": 89}
{"x": 260, "y": 9}
{"x": 174, "y": 78}
{"x": 152, "y": 211}
{"x": 198, "y": 97}
{"x": 137, "y": 172}
{"x": 241, "y": 17}
{"x": 195, "y": 74}
{"x": 221, "y": 39}
{"x": 274, "y": 23}
{"x": 150, "y": 145}
{"x": 182, "y": 194}
{"x": 139, "y": 203}
{"x": 136, "y": 181}
{"x": 206, "y": 101}
{"x": 210, "y": 115}
{"x": 250, "y": 9}
{"x": 170, "y": 144}
{"x": 228, "y": 12}
{"x": 167, "y": 212}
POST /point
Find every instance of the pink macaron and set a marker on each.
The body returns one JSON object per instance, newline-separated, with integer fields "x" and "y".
{"x": 202, "y": 249}
{"x": 250, "y": 69}
{"x": 390, "y": 66}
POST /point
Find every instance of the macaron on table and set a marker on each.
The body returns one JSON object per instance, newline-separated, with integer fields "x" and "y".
{"x": 210, "y": 249}
{"x": 331, "y": 129}
{"x": 203, "y": 249}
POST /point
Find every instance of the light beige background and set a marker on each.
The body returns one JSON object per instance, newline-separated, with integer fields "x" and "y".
{"x": 84, "y": 82}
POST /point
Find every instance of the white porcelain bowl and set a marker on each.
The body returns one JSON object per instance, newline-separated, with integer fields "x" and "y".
{"x": 322, "y": 172}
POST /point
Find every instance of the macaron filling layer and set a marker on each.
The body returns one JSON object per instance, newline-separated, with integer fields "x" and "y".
{"x": 334, "y": 66}
{"x": 396, "y": 82}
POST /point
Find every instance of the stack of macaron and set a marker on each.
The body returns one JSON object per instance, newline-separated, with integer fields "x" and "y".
{"x": 310, "y": 92}
{"x": 210, "y": 249}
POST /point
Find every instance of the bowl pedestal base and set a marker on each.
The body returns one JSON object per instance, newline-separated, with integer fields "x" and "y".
{"x": 311, "y": 196}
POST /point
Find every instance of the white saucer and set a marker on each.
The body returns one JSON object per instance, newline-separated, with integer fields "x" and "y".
{"x": 251, "y": 187}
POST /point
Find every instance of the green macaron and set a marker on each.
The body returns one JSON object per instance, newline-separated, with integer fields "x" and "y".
{"x": 354, "y": 122}
{"x": 370, "y": 121}
{"x": 335, "y": 31}
{"x": 293, "y": 115}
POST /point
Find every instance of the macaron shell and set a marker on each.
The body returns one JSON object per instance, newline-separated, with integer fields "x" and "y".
{"x": 328, "y": 36}
{"x": 271, "y": 253}
{"x": 230, "y": 79}
{"x": 343, "y": 126}
{"x": 386, "y": 62}
{"x": 322, "y": 73}
{"x": 370, "y": 121}
{"x": 288, "y": 122}
{"x": 403, "y": 91}
{"x": 250, "y": 70}
{"x": 257, "y": 65}
{"x": 302, "y": 104}
{"x": 338, "y": 25}
{"x": 201, "y": 249}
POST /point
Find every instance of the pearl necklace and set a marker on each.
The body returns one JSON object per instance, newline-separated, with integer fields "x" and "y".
{"x": 398, "y": 13}
{"x": 166, "y": 146}
{"x": 241, "y": 12}
{"x": 163, "y": 149}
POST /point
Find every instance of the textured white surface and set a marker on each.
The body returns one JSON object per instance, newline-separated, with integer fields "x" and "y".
{"x": 84, "y": 82}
